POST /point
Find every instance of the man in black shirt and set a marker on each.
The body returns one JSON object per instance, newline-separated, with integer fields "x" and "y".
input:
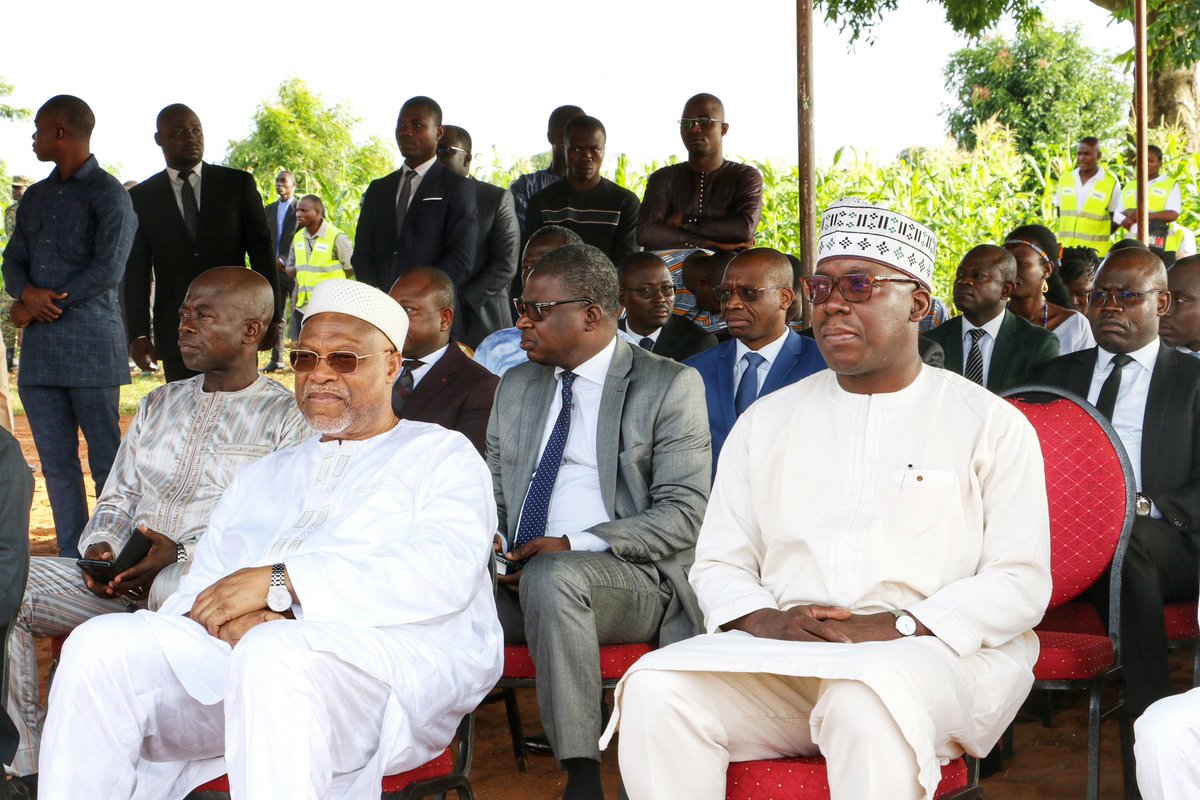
{"x": 601, "y": 212}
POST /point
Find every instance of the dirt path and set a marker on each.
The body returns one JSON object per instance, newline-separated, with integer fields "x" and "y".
{"x": 1049, "y": 762}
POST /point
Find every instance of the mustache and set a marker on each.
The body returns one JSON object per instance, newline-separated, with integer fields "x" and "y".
{"x": 312, "y": 389}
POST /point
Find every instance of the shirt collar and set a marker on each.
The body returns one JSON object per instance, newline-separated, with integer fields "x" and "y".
{"x": 420, "y": 169}
{"x": 85, "y": 170}
{"x": 320, "y": 231}
{"x": 595, "y": 369}
{"x": 769, "y": 352}
{"x": 435, "y": 356}
{"x": 991, "y": 327}
{"x": 173, "y": 173}
{"x": 1146, "y": 356}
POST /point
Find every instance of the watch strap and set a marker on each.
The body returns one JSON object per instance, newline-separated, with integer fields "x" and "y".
{"x": 181, "y": 553}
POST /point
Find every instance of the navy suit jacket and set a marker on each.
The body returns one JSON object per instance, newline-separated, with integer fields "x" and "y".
{"x": 440, "y": 229}
{"x": 798, "y": 359}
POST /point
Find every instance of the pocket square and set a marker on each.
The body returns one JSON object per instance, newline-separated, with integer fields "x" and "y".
{"x": 427, "y": 199}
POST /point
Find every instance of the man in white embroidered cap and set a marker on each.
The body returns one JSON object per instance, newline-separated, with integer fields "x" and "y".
{"x": 874, "y": 604}
{"x": 317, "y": 642}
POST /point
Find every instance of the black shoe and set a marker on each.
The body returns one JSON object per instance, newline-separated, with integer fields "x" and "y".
{"x": 538, "y": 745}
{"x": 19, "y": 788}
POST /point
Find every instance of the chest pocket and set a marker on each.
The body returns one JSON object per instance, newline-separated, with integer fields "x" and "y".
{"x": 229, "y": 458}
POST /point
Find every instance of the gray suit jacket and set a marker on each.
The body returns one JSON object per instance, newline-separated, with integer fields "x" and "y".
{"x": 16, "y": 495}
{"x": 654, "y": 458}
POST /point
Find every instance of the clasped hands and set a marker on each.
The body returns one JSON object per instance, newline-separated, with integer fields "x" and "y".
{"x": 234, "y": 605}
{"x": 817, "y": 623}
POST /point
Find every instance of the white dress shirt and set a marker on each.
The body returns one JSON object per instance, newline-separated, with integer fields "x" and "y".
{"x": 769, "y": 352}
{"x": 576, "y": 503}
{"x": 1174, "y": 203}
{"x": 420, "y": 169}
{"x": 987, "y": 342}
{"x": 1129, "y": 413}
{"x": 427, "y": 363}
{"x": 177, "y": 185}
{"x": 1082, "y": 188}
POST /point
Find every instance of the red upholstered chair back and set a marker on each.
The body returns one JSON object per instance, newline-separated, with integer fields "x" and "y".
{"x": 1089, "y": 484}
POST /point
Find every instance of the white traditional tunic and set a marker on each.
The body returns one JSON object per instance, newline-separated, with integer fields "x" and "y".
{"x": 387, "y": 544}
{"x": 930, "y": 499}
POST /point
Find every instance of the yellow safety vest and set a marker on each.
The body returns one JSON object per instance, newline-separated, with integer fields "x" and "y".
{"x": 1087, "y": 223}
{"x": 1174, "y": 238}
{"x": 1157, "y": 192}
{"x": 319, "y": 265}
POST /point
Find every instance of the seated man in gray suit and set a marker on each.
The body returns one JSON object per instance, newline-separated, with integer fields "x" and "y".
{"x": 16, "y": 495}
{"x": 988, "y": 343}
{"x": 596, "y": 544}
{"x": 484, "y": 300}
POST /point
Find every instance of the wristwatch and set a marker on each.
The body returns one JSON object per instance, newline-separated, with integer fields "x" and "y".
{"x": 279, "y": 599}
{"x": 181, "y": 555}
{"x": 906, "y": 623}
{"x": 1142, "y": 505}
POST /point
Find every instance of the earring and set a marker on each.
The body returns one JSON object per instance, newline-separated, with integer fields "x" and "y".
{"x": 1045, "y": 286}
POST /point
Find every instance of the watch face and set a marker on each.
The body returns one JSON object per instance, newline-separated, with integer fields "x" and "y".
{"x": 279, "y": 599}
{"x": 906, "y": 625}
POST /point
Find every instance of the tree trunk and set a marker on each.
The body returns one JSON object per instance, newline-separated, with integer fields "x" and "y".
{"x": 1174, "y": 100}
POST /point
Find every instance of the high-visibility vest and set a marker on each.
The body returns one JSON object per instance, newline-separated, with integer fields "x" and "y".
{"x": 1157, "y": 193}
{"x": 319, "y": 265}
{"x": 1174, "y": 238}
{"x": 1087, "y": 223}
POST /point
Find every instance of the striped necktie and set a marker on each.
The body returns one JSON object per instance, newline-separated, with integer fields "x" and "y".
{"x": 974, "y": 369}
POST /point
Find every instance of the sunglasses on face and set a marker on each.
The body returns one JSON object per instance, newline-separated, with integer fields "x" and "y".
{"x": 703, "y": 122}
{"x": 855, "y": 288}
{"x": 650, "y": 292}
{"x": 343, "y": 362}
{"x": 748, "y": 293}
{"x": 536, "y": 311}
{"x": 1098, "y": 298}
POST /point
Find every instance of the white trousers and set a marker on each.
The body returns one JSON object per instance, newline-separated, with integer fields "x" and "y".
{"x": 680, "y": 730}
{"x": 120, "y": 725}
{"x": 1167, "y": 748}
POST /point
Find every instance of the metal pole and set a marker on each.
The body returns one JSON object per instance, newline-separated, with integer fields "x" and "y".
{"x": 806, "y": 146}
{"x": 1140, "y": 97}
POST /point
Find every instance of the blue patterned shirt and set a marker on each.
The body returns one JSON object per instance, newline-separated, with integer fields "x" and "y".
{"x": 73, "y": 236}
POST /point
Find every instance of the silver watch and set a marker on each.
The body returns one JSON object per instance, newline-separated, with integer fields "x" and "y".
{"x": 181, "y": 555}
{"x": 1141, "y": 505}
{"x": 279, "y": 599}
{"x": 906, "y": 623}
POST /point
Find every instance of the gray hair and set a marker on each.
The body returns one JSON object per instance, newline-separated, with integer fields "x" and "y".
{"x": 586, "y": 272}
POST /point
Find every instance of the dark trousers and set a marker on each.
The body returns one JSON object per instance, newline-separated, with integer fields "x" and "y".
{"x": 174, "y": 370}
{"x": 1162, "y": 565}
{"x": 56, "y": 415}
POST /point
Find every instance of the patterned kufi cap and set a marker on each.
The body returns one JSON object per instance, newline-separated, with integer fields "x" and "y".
{"x": 358, "y": 300}
{"x": 856, "y": 229}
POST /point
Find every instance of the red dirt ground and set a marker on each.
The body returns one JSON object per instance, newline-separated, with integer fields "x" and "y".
{"x": 1049, "y": 763}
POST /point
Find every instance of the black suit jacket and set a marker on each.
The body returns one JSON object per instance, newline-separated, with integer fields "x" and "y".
{"x": 456, "y": 393}
{"x": 680, "y": 339}
{"x": 1019, "y": 346}
{"x": 283, "y": 244}
{"x": 1170, "y": 454}
{"x": 440, "y": 229}
{"x": 232, "y": 227}
{"x": 484, "y": 297}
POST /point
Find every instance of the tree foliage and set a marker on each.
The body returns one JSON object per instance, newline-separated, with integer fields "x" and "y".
{"x": 1170, "y": 31}
{"x": 969, "y": 17}
{"x": 1046, "y": 85}
{"x": 8, "y": 112}
{"x": 300, "y": 133}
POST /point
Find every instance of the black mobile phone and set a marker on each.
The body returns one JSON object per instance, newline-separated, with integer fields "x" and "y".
{"x": 134, "y": 551}
{"x": 509, "y": 565}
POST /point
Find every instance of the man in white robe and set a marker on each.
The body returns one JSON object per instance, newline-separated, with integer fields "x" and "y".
{"x": 186, "y": 442}
{"x": 875, "y": 553}
{"x": 316, "y": 643}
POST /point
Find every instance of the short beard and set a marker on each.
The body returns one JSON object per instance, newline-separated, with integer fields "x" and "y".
{"x": 330, "y": 426}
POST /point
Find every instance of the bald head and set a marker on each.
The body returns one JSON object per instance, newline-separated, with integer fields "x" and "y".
{"x": 757, "y": 293}
{"x": 427, "y": 296}
{"x": 989, "y": 255}
{"x": 242, "y": 289}
{"x": 224, "y": 320}
{"x": 428, "y": 281}
{"x": 983, "y": 283}
{"x": 1140, "y": 262}
{"x": 1133, "y": 287}
{"x": 708, "y": 101}
{"x": 774, "y": 265}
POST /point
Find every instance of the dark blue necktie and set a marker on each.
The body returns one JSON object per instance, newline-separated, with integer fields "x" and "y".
{"x": 747, "y": 388}
{"x": 536, "y": 509}
{"x": 647, "y": 343}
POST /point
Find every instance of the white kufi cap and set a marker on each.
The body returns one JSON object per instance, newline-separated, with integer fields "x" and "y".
{"x": 358, "y": 300}
{"x": 856, "y": 229}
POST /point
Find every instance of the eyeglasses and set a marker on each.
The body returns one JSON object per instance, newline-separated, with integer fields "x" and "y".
{"x": 1124, "y": 299}
{"x": 855, "y": 288}
{"x": 748, "y": 293}
{"x": 343, "y": 362}
{"x": 650, "y": 292}
{"x": 703, "y": 122}
{"x": 446, "y": 150}
{"x": 535, "y": 311}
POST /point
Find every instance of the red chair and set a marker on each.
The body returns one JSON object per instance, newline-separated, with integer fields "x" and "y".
{"x": 519, "y": 673}
{"x": 441, "y": 775}
{"x": 1089, "y": 484}
{"x": 806, "y": 779}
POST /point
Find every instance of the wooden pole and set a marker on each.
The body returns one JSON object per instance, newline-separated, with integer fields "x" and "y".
{"x": 806, "y": 146}
{"x": 1140, "y": 96}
